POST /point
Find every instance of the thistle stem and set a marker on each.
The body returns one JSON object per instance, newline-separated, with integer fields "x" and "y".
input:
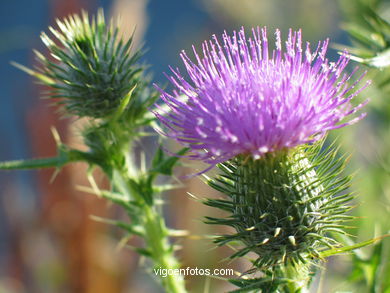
{"x": 155, "y": 231}
{"x": 162, "y": 251}
{"x": 299, "y": 277}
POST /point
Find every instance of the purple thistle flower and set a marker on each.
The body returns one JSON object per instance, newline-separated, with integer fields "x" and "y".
{"x": 241, "y": 100}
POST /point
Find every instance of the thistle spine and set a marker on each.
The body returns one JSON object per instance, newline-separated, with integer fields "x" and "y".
{"x": 282, "y": 206}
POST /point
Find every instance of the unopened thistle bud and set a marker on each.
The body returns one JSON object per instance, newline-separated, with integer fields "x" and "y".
{"x": 261, "y": 116}
{"x": 92, "y": 69}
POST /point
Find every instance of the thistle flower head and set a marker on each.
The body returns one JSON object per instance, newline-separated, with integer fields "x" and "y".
{"x": 256, "y": 114}
{"x": 93, "y": 69}
{"x": 244, "y": 99}
{"x": 284, "y": 205}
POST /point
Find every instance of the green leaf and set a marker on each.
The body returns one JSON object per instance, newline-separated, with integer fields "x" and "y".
{"x": 364, "y": 36}
{"x": 349, "y": 248}
{"x": 158, "y": 157}
{"x": 53, "y": 162}
{"x": 163, "y": 164}
{"x": 64, "y": 157}
{"x": 122, "y": 106}
{"x": 143, "y": 251}
{"x": 371, "y": 34}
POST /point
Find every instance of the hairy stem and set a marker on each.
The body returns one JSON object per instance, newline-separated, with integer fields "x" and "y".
{"x": 162, "y": 251}
{"x": 155, "y": 231}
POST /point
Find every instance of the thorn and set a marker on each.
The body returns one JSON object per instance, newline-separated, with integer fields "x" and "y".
{"x": 85, "y": 189}
{"x": 207, "y": 177}
{"x": 264, "y": 241}
{"x": 122, "y": 243}
{"x": 56, "y": 135}
{"x": 101, "y": 219}
{"x": 277, "y": 231}
{"x": 94, "y": 186}
{"x": 250, "y": 228}
{"x": 292, "y": 240}
{"x": 31, "y": 72}
{"x": 284, "y": 255}
{"x": 264, "y": 215}
{"x": 23, "y": 68}
{"x": 193, "y": 196}
{"x": 55, "y": 174}
{"x": 178, "y": 233}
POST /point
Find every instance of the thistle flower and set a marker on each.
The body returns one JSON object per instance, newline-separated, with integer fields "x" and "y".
{"x": 93, "y": 69}
{"x": 262, "y": 118}
{"x": 244, "y": 100}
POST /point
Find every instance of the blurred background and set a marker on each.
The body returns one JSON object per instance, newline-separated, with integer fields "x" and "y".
{"x": 49, "y": 243}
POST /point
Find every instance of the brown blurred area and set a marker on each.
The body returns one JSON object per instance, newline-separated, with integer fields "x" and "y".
{"x": 84, "y": 256}
{"x": 63, "y": 249}
{"x": 88, "y": 252}
{"x": 82, "y": 243}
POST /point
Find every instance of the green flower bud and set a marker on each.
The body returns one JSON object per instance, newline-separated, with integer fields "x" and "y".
{"x": 283, "y": 205}
{"x": 93, "y": 70}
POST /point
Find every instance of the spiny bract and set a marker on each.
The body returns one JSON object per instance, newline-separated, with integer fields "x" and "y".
{"x": 93, "y": 68}
{"x": 283, "y": 205}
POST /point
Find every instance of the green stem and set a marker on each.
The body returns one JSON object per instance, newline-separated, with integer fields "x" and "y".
{"x": 299, "y": 276}
{"x": 155, "y": 234}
